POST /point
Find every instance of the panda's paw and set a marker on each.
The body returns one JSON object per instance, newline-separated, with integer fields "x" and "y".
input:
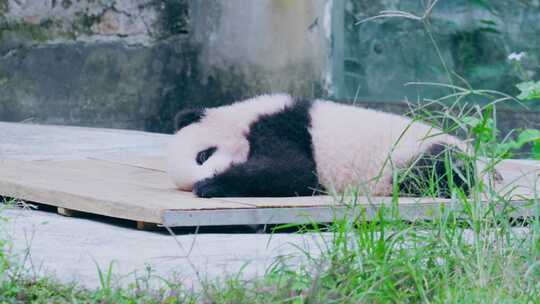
{"x": 208, "y": 188}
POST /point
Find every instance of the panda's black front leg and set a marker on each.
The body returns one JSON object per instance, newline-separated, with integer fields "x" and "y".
{"x": 211, "y": 187}
{"x": 263, "y": 176}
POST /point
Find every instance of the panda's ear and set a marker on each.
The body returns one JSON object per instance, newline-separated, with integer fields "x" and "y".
{"x": 187, "y": 117}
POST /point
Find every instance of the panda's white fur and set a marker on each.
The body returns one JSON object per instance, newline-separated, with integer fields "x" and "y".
{"x": 350, "y": 144}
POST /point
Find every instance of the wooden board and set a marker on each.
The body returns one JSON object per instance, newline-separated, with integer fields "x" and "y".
{"x": 138, "y": 189}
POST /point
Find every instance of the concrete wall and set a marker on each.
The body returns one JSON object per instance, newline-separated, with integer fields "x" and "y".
{"x": 283, "y": 45}
{"x": 133, "y": 64}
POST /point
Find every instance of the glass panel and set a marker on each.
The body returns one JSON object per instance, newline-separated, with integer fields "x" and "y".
{"x": 373, "y": 60}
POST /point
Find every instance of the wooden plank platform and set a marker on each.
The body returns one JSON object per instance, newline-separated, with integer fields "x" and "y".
{"x": 138, "y": 189}
{"x": 120, "y": 174}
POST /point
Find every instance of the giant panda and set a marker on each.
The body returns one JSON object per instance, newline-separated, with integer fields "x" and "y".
{"x": 277, "y": 145}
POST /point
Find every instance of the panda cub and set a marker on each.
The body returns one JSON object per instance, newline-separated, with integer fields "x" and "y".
{"x": 276, "y": 145}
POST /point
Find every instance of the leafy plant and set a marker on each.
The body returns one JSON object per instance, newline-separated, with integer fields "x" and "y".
{"x": 105, "y": 279}
{"x": 527, "y": 136}
{"x": 530, "y": 90}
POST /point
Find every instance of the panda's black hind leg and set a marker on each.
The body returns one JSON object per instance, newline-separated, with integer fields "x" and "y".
{"x": 436, "y": 172}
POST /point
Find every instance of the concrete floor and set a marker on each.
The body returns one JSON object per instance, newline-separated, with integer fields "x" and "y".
{"x": 70, "y": 248}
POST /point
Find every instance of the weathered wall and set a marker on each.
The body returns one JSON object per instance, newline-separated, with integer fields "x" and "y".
{"x": 28, "y": 22}
{"x": 133, "y": 64}
{"x": 286, "y": 41}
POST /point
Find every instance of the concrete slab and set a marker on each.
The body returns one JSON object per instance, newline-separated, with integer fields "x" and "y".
{"x": 71, "y": 248}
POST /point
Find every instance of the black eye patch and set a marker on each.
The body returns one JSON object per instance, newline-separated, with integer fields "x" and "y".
{"x": 204, "y": 155}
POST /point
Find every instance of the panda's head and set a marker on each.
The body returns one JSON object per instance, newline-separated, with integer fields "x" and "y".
{"x": 206, "y": 143}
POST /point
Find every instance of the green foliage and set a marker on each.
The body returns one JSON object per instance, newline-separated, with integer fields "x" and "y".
{"x": 525, "y": 137}
{"x": 486, "y": 136}
{"x": 529, "y": 90}
{"x": 105, "y": 280}
{"x": 3, "y": 7}
{"x": 482, "y": 128}
{"x": 37, "y": 32}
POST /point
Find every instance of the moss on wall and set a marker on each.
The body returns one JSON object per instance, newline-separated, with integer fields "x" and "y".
{"x": 66, "y": 4}
{"x": 174, "y": 17}
{"x": 83, "y": 23}
{"x": 146, "y": 22}
{"x": 4, "y": 7}
{"x": 36, "y": 32}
